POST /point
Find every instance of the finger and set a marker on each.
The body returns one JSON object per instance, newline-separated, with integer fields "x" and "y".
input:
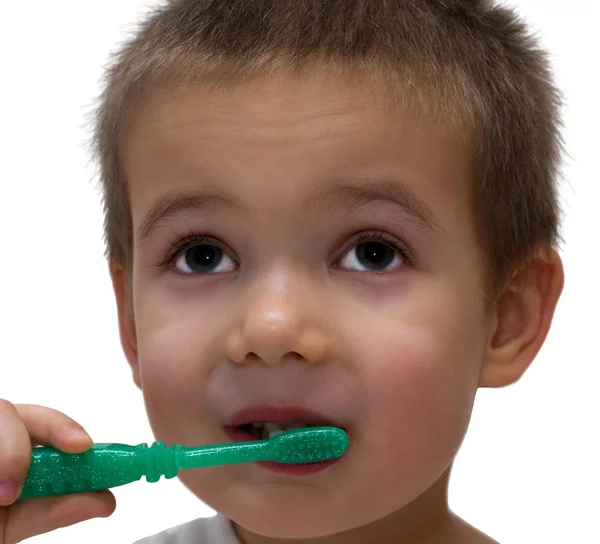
{"x": 15, "y": 452}
{"x": 30, "y": 517}
{"x": 47, "y": 426}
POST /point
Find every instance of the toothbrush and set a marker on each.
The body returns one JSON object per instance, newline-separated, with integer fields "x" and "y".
{"x": 54, "y": 472}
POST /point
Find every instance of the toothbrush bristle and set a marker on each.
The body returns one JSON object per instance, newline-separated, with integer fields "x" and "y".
{"x": 309, "y": 445}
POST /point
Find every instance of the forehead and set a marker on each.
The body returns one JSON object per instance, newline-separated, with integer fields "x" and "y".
{"x": 288, "y": 133}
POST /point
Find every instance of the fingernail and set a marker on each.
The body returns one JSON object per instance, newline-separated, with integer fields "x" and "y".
{"x": 77, "y": 433}
{"x": 8, "y": 492}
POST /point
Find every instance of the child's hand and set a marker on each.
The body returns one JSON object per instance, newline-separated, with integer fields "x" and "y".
{"x": 23, "y": 426}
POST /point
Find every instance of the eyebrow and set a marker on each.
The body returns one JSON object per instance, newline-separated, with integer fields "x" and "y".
{"x": 347, "y": 196}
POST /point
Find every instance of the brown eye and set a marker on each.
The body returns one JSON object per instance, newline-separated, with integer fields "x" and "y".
{"x": 374, "y": 255}
{"x": 203, "y": 259}
{"x": 373, "y": 252}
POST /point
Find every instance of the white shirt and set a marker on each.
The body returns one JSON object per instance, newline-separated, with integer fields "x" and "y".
{"x": 214, "y": 530}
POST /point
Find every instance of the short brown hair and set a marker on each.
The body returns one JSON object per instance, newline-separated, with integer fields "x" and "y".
{"x": 468, "y": 62}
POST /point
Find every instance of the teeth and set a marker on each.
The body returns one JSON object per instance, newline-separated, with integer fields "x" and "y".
{"x": 270, "y": 429}
{"x": 267, "y": 430}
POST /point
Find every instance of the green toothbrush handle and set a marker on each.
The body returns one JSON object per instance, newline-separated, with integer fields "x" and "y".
{"x": 53, "y": 472}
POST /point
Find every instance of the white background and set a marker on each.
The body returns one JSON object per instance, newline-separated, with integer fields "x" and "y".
{"x": 528, "y": 468}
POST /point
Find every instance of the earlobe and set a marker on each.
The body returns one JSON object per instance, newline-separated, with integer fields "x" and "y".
{"x": 522, "y": 319}
{"x": 127, "y": 331}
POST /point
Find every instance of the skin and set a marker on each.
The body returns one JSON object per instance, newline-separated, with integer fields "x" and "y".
{"x": 291, "y": 315}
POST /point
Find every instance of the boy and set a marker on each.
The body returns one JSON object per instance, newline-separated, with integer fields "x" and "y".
{"x": 370, "y": 189}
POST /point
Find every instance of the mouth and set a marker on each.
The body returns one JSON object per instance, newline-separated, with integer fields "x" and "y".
{"x": 262, "y": 422}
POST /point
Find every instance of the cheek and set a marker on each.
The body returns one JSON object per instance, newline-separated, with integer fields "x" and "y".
{"x": 166, "y": 360}
{"x": 419, "y": 409}
{"x": 176, "y": 337}
{"x": 174, "y": 374}
{"x": 419, "y": 393}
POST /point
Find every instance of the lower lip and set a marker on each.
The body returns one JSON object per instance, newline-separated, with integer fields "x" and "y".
{"x": 237, "y": 435}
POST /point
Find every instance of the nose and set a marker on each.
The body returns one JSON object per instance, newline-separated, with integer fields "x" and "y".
{"x": 279, "y": 322}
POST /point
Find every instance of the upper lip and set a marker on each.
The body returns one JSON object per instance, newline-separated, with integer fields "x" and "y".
{"x": 279, "y": 414}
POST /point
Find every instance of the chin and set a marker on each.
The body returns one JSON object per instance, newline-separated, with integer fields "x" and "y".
{"x": 297, "y": 519}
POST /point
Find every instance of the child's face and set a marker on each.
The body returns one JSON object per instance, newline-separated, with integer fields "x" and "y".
{"x": 293, "y": 309}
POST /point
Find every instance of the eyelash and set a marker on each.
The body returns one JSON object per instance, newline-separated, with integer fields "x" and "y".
{"x": 382, "y": 238}
{"x": 180, "y": 245}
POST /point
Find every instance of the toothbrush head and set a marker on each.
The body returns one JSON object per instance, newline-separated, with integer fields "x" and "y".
{"x": 308, "y": 445}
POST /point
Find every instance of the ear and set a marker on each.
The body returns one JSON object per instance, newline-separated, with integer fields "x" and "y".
{"x": 522, "y": 318}
{"x": 126, "y": 316}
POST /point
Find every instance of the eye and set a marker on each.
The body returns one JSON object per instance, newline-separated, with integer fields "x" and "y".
{"x": 375, "y": 252}
{"x": 204, "y": 259}
{"x": 202, "y": 255}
